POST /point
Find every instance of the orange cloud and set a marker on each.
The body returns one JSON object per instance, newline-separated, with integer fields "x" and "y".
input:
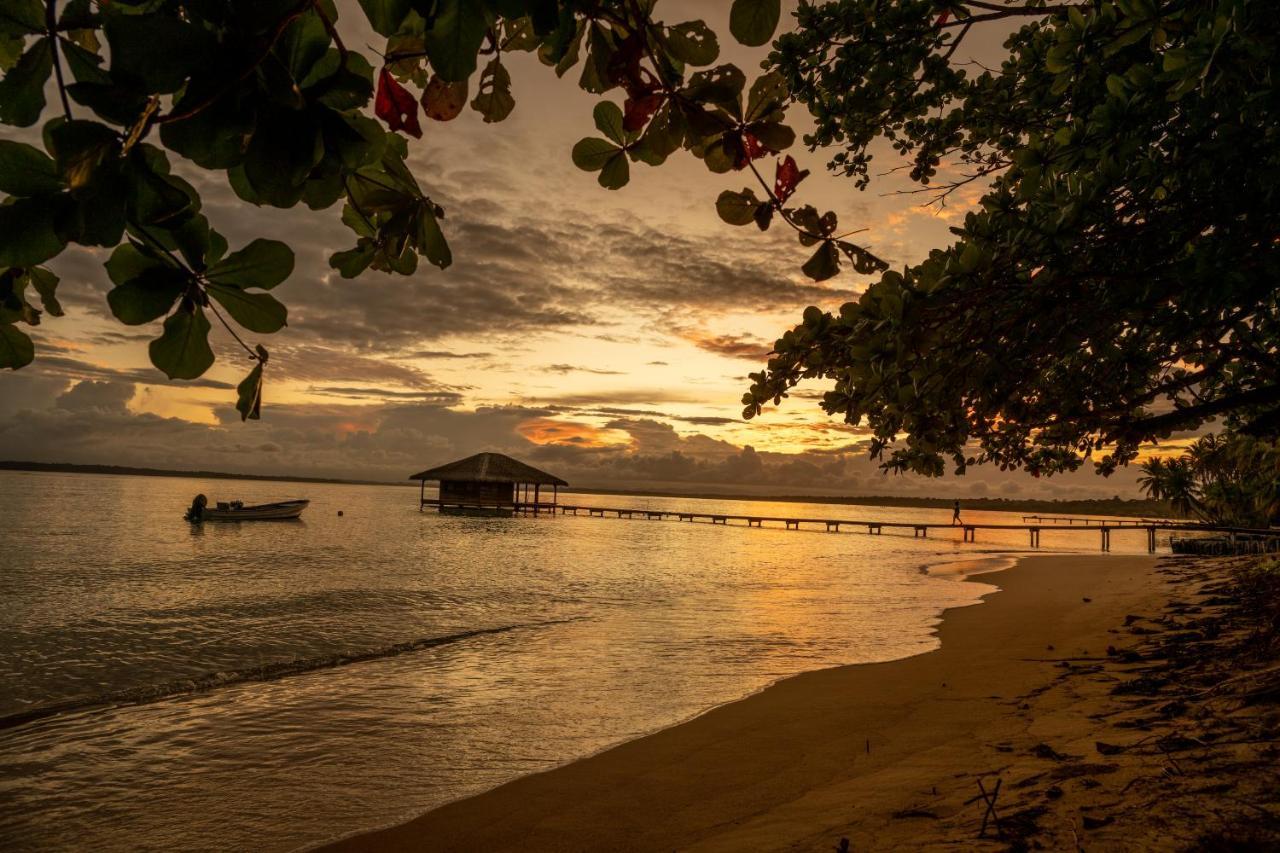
{"x": 569, "y": 433}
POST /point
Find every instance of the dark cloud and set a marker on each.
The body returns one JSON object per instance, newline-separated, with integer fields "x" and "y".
{"x": 563, "y": 369}
{"x": 445, "y": 398}
{"x": 77, "y": 369}
{"x": 735, "y": 346}
{"x": 652, "y": 396}
{"x": 443, "y": 354}
{"x": 90, "y": 423}
{"x": 97, "y": 396}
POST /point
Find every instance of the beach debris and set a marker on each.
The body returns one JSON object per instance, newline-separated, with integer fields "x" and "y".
{"x": 910, "y": 813}
{"x": 1091, "y": 822}
{"x": 1105, "y": 748}
{"x": 1043, "y": 750}
{"x": 1053, "y": 792}
{"x": 989, "y": 815}
{"x": 843, "y": 846}
{"x": 1087, "y": 599}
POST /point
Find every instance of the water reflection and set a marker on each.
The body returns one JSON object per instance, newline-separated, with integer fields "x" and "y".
{"x": 622, "y": 627}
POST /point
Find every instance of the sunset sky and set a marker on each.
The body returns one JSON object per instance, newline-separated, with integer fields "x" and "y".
{"x": 603, "y": 335}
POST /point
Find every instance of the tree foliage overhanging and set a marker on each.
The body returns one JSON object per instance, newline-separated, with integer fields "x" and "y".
{"x": 267, "y": 93}
{"x": 1117, "y": 281}
{"x": 1228, "y": 479}
{"x": 1115, "y": 284}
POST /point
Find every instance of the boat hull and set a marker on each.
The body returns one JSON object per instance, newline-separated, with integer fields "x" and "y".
{"x": 284, "y": 511}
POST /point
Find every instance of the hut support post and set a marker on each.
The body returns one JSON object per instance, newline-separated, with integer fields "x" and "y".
{"x": 536, "y": 487}
{"x": 422, "y": 495}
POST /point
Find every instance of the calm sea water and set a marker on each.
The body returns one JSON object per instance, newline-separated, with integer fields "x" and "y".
{"x": 272, "y": 686}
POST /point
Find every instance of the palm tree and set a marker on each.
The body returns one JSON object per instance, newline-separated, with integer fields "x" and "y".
{"x": 1227, "y": 479}
{"x": 1175, "y": 481}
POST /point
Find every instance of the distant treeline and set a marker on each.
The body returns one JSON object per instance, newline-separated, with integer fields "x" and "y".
{"x": 1109, "y": 506}
{"x": 68, "y": 468}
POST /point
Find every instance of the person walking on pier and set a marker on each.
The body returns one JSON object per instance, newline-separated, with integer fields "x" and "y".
{"x": 955, "y": 513}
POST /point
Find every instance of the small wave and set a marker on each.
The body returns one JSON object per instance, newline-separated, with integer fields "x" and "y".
{"x": 264, "y": 672}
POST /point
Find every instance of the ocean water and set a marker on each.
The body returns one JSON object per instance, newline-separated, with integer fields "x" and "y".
{"x": 271, "y": 686}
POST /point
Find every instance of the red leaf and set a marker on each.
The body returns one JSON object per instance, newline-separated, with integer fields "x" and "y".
{"x": 638, "y": 111}
{"x": 396, "y": 105}
{"x": 786, "y": 178}
{"x": 624, "y": 66}
{"x": 942, "y": 19}
{"x": 750, "y": 149}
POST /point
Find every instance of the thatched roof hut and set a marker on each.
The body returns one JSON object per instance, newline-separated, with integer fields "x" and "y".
{"x": 489, "y": 480}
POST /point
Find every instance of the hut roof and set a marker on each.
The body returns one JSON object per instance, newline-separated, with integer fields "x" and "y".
{"x": 490, "y": 468}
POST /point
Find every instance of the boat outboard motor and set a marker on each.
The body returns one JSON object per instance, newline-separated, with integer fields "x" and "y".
{"x": 196, "y": 512}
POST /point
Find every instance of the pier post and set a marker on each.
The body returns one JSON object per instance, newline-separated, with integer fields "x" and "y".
{"x": 1151, "y": 540}
{"x": 969, "y": 533}
{"x": 1106, "y": 538}
{"x": 833, "y": 526}
{"x": 1035, "y": 536}
{"x": 792, "y": 525}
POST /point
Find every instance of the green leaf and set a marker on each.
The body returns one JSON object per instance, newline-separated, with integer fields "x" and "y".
{"x": 352, "y": 262}
{"x": 26, "y": 170}
{"x": 302, "y": 45}
{"x": 130, "y": 260}
{"x": 385, "y": 16}
{"x": 493, "y": 100}
{"x": 430, "y": 239}
{"x": 824, "y": 264}
{"x": 146, "y": 285}
{"x": 776, "y": 137}
{"x": 768, "y": 94}
{"x": 10, "y": 51}
{"x": 737, "y": 208}
{"x": 753, "y": 22}
{"x": 215, "y": 137}
{"x": 608, "y": 117}
{"x": 183, "y": 352}
{"x": 262, "y": 263}
{"x": 153, "y": 196}
{"x": 455, "y": 38}
{"x": 22, "y": 17}
{"x": 285, "y": 147}
{"x": 721, "y": 86}
{"x": 28, "y": 230}
{"x": 78, "y": 147}
{"x": 249, "y": 392}
{"x": 616, "y": 172}
{"x": 22, "y": 89}
{"x": 257, "y": 312}
{"x": 46, "y": 284}
{"x": 694, "y": 43}
{"x": 157, "y": 51}
{"x": 16, "y": 349}
{"x": 591, "y": 154}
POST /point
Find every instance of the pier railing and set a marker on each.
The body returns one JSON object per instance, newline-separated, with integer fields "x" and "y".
{"x": 969, "y": 532}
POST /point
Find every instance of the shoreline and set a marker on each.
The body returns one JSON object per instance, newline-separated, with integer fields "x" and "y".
{"x": 779, "y": 768}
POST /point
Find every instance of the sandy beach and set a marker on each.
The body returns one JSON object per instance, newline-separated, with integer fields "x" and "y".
{"x": 887, "y": 755}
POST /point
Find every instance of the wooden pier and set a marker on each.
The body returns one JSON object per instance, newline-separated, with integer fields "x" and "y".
{"x": 1069, "y": 520}
{"x": 969, "y": 532}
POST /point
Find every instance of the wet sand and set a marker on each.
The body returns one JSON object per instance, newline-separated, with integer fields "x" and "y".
{"x": 887, "y": 755}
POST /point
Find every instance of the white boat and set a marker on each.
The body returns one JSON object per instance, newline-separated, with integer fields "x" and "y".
{"x": 237, "y": 511}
